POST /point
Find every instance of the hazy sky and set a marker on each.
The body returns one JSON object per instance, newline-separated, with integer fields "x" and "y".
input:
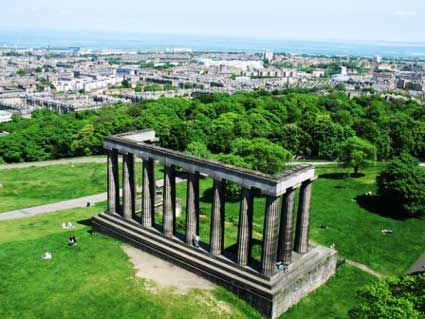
{"x": 388, "y": 20}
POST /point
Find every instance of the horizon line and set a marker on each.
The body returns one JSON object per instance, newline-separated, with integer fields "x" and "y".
{"x": 216, "y": 35}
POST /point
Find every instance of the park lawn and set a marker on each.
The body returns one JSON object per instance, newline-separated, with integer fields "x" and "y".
{"x": 357, "y": 231}
{"x": 33, "y": 186}
{"x": 354, "y": 230}
{"x": 92, "y": 280}
{"x": 97, "y": 280}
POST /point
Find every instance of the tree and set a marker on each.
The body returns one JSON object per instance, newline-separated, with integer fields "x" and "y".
{"x": 294, "y": 139}
{"x": 326, "y": 138}
{"x": 357, "y": 153}
{"x": 138, "y": 87}
{"x": 261, "y": 154}
{"x": 198, "y": 149}
{"x": 402, "y": 185}
{"x": 397, "y": 298}
{"x": 84, "y": 141}
{"x": 152, "y": 88}
{"x": 126, "y": 84}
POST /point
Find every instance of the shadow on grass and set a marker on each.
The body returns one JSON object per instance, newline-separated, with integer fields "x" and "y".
{"x": 334, "y": 175}
{"x": 357, "y": 175}
{"x": 85, "y": 222}
{"x": 207, "y": 195}
{"x": 374, "y": 204}
{"x": 341, "y": 175}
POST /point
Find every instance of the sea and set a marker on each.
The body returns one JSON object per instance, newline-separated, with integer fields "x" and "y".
{"x": 36, "y": 38}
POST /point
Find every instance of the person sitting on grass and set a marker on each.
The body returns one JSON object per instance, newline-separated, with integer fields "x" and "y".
{"x": 72, "y": 241}
{"x": 47, "y": 255}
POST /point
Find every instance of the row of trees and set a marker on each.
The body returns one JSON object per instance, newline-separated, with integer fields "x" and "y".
{"x": 280, "y": 125}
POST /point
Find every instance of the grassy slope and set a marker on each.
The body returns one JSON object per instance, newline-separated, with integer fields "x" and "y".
{"x": 96, "y": 279}
{"x": 33, "y": 186}
{"x": 97, "y": 273}
{"x": 356, "y": 231}
{"x": 27, "y": 187}
{"x": 93, "y": 280}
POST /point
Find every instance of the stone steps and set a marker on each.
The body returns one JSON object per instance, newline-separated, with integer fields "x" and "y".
{"x": 183, "y": 254}
{"x": 270, "y": 295}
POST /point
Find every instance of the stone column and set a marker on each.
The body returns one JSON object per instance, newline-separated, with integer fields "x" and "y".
{"x": 217, "y": 218}
{"x": 128, "y": 190}
{"x": 270, "y": 236}
{"x": 192, "y": 207}
{"x": 169, "y": 201}
{"x": 113, "y": 182}
{"x": 148, "y": 196}
{"x": 284, "y": 253}
{"x": 245, "y": 227}
{"x": 303, "y": 219}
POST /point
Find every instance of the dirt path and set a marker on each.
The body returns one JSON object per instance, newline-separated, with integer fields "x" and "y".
{"x": 66, "y": 204}
{"x": 75, "y": 160}
{"x": 165, "y": 275}
{"x": 102, "y": 159}
{"x": 365, "y": 268}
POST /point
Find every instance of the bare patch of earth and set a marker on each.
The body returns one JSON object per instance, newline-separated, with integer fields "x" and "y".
{"x": 163, "y": 274}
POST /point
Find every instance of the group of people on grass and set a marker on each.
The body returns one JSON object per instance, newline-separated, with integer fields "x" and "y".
{"x": 72, "y": 241}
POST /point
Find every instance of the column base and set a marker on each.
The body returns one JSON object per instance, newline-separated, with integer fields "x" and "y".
{"x": 271, "y": 296}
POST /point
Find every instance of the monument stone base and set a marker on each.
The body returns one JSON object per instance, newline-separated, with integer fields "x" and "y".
{"x": 271, "y": 296}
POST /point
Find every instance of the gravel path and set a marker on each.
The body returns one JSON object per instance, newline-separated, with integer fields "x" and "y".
{"x": 102, "y": 159}
{"x": 75, "y": 160}
{"x": 66, "y": 204}
{"x": 163, "y": 273}
{"x": 364, "y": 268}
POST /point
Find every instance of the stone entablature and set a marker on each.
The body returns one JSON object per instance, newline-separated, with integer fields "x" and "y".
{"x": 274, "y": 185}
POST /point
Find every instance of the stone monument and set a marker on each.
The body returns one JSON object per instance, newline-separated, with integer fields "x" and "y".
{"x": 290, "y": 266}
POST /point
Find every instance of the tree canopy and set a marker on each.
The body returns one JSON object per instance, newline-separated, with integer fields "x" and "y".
{"x": 307, "y": 125}
{"x": 402, "y": 185}
{"x": 357, "y": 153}
{"x": 397, "y": 298}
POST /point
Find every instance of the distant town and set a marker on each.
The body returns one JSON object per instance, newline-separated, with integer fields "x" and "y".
{"x": 74, "y": 79}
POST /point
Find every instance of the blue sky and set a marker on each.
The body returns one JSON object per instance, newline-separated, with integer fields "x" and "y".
{"x": 384, "y": 20}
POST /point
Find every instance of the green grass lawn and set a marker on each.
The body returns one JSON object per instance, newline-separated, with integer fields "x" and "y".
{"x": 97, "y": 280}
{"x": 92, "y": 280}
{"x": 33, "y": 186}
{"x": 356, "y": 231}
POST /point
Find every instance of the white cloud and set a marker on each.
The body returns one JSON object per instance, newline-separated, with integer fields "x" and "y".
{"x": 405, "y": 13}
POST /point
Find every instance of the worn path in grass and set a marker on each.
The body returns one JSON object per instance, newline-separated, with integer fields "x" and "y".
{"x": 365, "y": 268}
{"x": 74, "y": 160}
{"x": 66, "y": 204}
